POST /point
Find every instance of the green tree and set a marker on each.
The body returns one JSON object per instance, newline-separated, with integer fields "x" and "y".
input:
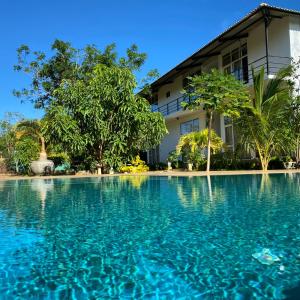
{"x": 68, "y": 63}
{"x": 192, "y": 144}
{"x": 266, "y": 125}
{"x": 216, "y": 92}
{"x": 103, "y": 118}
{"x": 27, "y": 149}
{"x": 33, "y": 130}
{"x": 8, "y": 137}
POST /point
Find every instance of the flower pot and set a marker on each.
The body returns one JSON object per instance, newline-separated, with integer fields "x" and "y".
{"x": 38, "y": 167}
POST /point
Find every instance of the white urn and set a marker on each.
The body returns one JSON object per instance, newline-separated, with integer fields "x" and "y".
{"x": 38, "y": 167}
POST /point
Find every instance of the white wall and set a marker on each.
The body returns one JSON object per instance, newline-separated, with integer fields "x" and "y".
{"x": 174, "y": 88}
{"x": 170, "y": 141}
{"x": 279, "y": 43}
{"x": 295, "y": 42}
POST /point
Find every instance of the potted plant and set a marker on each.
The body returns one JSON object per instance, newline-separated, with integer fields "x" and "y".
{"x": 33, "y": 129}
{"x": 172, "y": 159}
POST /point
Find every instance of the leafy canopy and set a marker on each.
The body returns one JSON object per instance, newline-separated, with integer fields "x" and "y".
{"x": 102, "y": 117}
{"x": 68, "y": 63}
{"x": 216, "y": 92}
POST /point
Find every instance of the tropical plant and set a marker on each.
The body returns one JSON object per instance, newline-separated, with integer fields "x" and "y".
{"x": 27, "y": 149}
{"x": 192, "y": 145}
{"x": 136, "y": 166}
{"x": 265, "y": 124}
{"x": 102, "y": 117}
{"x": 32, "y": 129}
{"x": 216, "y": 92}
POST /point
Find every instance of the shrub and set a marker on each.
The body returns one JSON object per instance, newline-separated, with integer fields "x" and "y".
{"x": 137, "y": 166}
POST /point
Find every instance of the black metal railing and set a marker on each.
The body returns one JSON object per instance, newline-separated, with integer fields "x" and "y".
{"x": 271, "y": 65}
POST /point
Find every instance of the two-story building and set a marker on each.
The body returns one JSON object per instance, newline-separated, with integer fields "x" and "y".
{"x": 268, "y": 36}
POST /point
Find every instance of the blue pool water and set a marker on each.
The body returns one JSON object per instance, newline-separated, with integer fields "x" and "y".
{"x": 149, "y": 237}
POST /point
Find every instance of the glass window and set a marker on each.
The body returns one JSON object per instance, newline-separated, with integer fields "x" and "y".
{"x": 226, "y": 59}
{"x": 227, "y": 70}
{"x": 244, "y": 50}
{"x": 229, "y": 137}
{"x": 245, "y": 69}
{"x": 236, "y": 63}
{"x": 189, "y": 126}
{"x": 235, "y": 54}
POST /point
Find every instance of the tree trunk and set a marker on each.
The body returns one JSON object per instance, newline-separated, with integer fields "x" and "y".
{"x": 43, "y": 154}
{"x": 43, "y": 147}
{"x": 298, "y": 151}
{"x": 209, "y": 141}
{"x": 100, "y": 159}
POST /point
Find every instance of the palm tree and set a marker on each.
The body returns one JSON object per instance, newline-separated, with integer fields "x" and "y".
{"x": 193, "y": 143}
{"x": 264, "y": 125}
{"x": 33, "y": 129}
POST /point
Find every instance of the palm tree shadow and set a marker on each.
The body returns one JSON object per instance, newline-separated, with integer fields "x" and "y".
{"x": 293, "y": 294}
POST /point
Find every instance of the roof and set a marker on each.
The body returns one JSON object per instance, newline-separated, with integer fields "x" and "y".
{"x": 237, "y": 31}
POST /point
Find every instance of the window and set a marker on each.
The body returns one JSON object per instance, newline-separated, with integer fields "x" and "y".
{"x": 229, "y": 137}
{"x": 236, "y": 63}
{"x": 168, "y": 94}
{"x": 154, "y": 104}
{"x": 189, "y": 126}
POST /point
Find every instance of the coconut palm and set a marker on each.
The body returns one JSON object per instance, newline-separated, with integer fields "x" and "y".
{"x": 265, "y": 124}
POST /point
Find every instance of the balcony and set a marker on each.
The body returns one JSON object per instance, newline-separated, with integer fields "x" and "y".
{"x": 273, "y": 65}
{"x": 172, "y": 106}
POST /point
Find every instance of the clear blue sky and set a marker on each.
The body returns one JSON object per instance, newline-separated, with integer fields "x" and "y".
{"x": 167, "y": 30}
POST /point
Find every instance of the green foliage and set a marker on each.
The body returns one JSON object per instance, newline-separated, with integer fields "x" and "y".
{"x": 216, "y": 92}
{"x": 266, "y": 125}
{"x": 8, "y": 137}
{"x": 231, "y": 161}
{"x": 192, "y": 145}
{"x": 26, "y": 150}
{"x": 68, "y": 63}
{"x": 102, "y": 118}
{"x": 32, "y": 129}
{"x": 137, "y": 166}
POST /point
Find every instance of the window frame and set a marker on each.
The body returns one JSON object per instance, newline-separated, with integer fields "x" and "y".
{"x": 195, "y": 126}
{"x": 229, "y": 62}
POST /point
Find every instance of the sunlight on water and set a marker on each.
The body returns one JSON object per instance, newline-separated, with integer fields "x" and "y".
{"x": 149, "y": 237}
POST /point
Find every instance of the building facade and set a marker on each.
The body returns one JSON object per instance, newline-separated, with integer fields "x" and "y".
{"x": 267, "y": 37}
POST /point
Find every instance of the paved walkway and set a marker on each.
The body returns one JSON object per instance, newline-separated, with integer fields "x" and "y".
{"x": 157, "y": 173}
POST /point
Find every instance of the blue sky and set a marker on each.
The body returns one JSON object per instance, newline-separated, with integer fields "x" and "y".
{"x": 167, "y": 30}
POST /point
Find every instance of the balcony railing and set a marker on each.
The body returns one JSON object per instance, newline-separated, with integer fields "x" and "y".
{"x": 273, "y": 65}
{"x": 172, "y": 106}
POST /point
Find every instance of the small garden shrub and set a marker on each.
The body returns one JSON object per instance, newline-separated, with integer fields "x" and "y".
{"x": 137, "y": 166}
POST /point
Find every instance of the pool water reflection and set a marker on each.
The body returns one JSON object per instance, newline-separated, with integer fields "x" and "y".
{"x": 149, "y": 237}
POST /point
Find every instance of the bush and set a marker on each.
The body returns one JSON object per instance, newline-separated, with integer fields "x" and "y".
{"x": 276, "y": 163}
{"x": 26, "y": 151}
{"x": 137, "y": 166}
{"x": 230, "y": 161}
{"x": 159, "y": 166}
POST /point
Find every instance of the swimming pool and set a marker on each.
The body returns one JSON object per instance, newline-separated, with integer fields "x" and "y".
{"x": 149, "y": 237}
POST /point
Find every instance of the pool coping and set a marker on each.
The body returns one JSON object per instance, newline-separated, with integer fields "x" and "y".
{"x": 171, "y": 173}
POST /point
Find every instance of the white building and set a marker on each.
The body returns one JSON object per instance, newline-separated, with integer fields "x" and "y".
{"x": 268, "y": 36}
